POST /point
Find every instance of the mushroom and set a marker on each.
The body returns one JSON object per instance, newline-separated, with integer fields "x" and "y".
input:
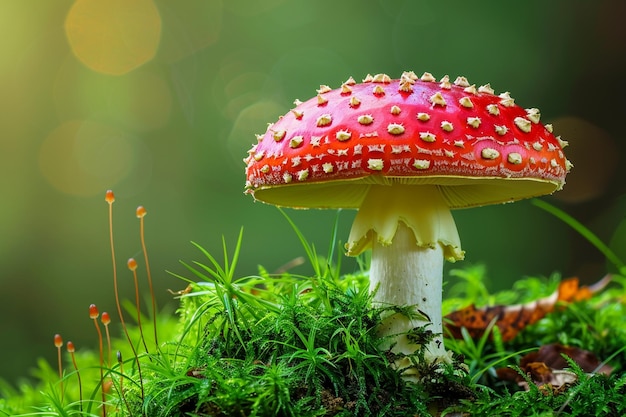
{"x": 404, "y": 152}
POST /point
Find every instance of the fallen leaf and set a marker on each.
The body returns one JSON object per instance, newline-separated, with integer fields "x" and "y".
{"x": 552, "y": 356}
{"x": 548, "y": 367}
{"x": 511, "y": 319}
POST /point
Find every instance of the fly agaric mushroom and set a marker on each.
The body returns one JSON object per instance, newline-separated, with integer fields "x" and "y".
{"x": 404, "y": 152}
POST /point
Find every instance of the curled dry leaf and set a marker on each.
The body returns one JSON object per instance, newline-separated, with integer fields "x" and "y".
{"x": 548, "y": 367}
{"x": 511, "y": 319}
{"x": 552, "y": 356}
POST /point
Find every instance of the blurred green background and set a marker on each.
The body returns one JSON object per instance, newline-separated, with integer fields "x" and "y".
{"x": 160, "y": 100}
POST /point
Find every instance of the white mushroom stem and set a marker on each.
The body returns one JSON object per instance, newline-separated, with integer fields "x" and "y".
{"x": 408, "y": 275}
{"x": 411, "y": 232}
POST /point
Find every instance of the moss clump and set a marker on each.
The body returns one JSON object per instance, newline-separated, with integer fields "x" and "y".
{"x": 290, "y": 346}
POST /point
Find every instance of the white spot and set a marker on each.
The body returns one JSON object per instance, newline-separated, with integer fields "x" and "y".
{"x": 365, "y": 119}
{"x": 471, "y": 89}
{"x": 381, "y": 78}
{"x": 395, "y": 110}
{"x": 297, "y": 113}
{"x": 358, "y": 149}
{"x": 409, "y": 76}
{"x": 473, "y": 122}
{"x": 466, "y": 102}
{"x": 279, "y": 135}
{"x": 428, "y": 77}
{"x": 448, "y": 153}
{"x": 345, "y": 89}
{"x": 424, "y": 117}
{"x": 400, "y": 161}
{"x": 506, "y": 99}
{"x": 295, "y": 161}
{"x": 533, "y": 115}
{"x": 406, "y": 86}
{"x": 396, "y": 149}
{"x": 427, "y": 137}
{"x": 375, "y": 164}
{"x": 287, "y": 177}
{"x": 354, "y": 102}
{"x": 501, "y": 130}
{"x": 343, "y": 135}
{"x": 493, "y": 109}
{"x": 324, "y": 89}
{"x": 315, "y": 141}
{"x": 523, "y": 124}
{"x": 372, "y": 134}
{"x": 342, "y": 152}
{"x": 486, "y": 89}
{"x": 568, "y": 165}
{"x": 378, "y": 90}
{"x": 445, "y": 83}
{"x": 549, "y": 128}
{"x": 461, "y": 82}
{"x": 447, "y": 126}
{"x": 421, "y": 164}
{"x": 328, "y": 167}
{"x": 259, "y": 155}
{"x": 350, "y": 81}
{"x": 324, "y": 120}
{"x": 562, "y": 142}
{"x": 295, "y": 141}
{"x": 303, "y": 174}
{"x": 395, "y": 128}
{"x": 321, "y": 100}
{"x": 265, "y": 169}
{"x": 379, "y": 147}
{"x": 515, "y": 158}
{"x": 342, "y": 165}
{"x": 489, "y": 153}
{"x": 459, "y": 144}
{"x": 554, "y": 163}
{"x": 437, "y": 99}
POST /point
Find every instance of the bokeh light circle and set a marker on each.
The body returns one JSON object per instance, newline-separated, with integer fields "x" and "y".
{"x": 113, "y": 36}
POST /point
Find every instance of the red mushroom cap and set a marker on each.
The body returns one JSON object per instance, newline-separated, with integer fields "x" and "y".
{"x": 479, "y": 147}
